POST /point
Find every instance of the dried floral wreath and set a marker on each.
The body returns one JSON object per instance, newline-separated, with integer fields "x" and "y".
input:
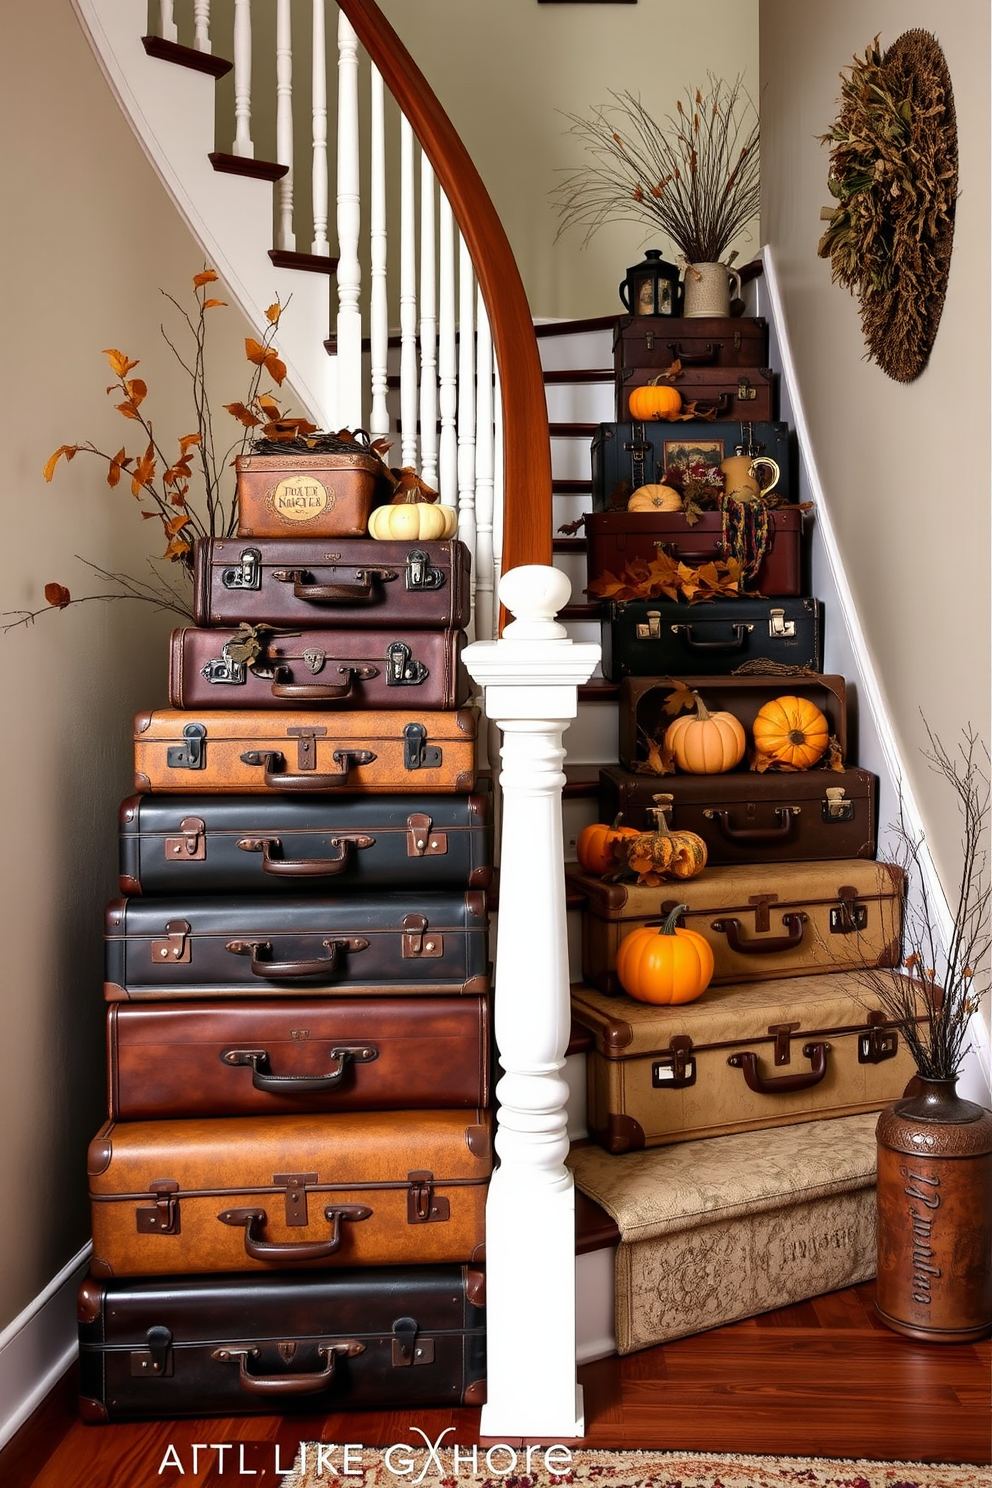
{"x": 894, "y": 175}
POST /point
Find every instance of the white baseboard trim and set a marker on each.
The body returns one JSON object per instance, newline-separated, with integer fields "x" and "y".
{"x": 38, "y": 1346}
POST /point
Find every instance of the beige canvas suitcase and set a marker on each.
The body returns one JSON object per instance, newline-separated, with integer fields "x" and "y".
{"x": 761, "y": 919}
{"x": 742, "y": 1057}
{"x": 258, "y": 750}
{"x": 248, "y": 1193}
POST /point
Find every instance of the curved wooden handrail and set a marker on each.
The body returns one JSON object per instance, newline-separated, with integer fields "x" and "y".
{"x": 527, "y": 519}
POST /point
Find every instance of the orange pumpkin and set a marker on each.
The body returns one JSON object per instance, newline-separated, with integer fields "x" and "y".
{"x": 665, "y": 965}
{"x": 597, "y": 847}
{"x": 655, "y": 498}
{"x": 792, "y": 731}
{"x": 706, "y": 743}
{"x": 656, "y": 401}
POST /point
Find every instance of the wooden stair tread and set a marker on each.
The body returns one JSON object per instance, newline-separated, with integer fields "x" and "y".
{"x": 581, "y": 782}
{"x": 599, "y": 691}
{"x": 564, "y": 487}
{"x": 569, "y": 544}
{"x": 593, "y": 610}
{"x": 184, "y": 56}
{"x": 572, "y": 431}
{"x": 576, "y": 327}
{"x": 582, "y": 374}
{"x": 244, "y": 165}
{"x": 594, "y": 1228}
{"x": 314, "y": 263}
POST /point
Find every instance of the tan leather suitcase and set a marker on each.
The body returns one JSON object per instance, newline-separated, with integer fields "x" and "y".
{"x": 257, "y": 751}
{"x": 740, "y": 1058}
{"x": 315, "y": 495}
{"x": 248, "y": 1193}
{"x": 761, "y": 919}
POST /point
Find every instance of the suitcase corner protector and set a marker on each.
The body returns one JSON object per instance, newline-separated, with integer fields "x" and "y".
{"x": 92, "y": 1412}
{"x": 142, "y": 783}
{"x": 475, "y": 1393}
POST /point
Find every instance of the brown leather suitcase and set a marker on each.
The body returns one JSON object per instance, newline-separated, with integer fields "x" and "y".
{"x": 761, "y": 919}
{"x": 291, "y": 1055}
{"x": 742, "y": 1057}
{"x": 304, "y": 582}
{"x": 643, "y": 715}
{"x": 399, "y": 1338}
{"x": 313, "y": 495}
{"x": 616, "y": 538}
{"x": 710, "y": 341}
{"x": 175, "y": 844}
{"x": 235, "y": 750}
{"x": 401, "y": 943}
{"x": 313, "y": 668}
{"x": 724, "y": 392}
{"x": 769, "y": 818}
{"x": 249, "y": 1193}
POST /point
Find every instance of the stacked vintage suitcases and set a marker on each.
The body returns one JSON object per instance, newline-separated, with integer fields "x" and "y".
{"x": 791, "y": 900}
{"x": 288, "y": 1196}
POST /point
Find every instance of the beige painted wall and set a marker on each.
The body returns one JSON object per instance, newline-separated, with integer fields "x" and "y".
{"x": 905, "y": 467}
{"x": 507, "y": 71}
{"x": 88, "y": 238}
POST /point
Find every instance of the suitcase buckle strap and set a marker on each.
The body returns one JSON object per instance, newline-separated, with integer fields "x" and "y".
{"x": 423, "y": 1206}
{"x": 421, "y": 573}
{"x": 157, "y": 1357}
{"x": 406, "y": 1350}
{"x": 421, "y": 842}
{"x": 836, "y": 808}
{"x": 175, "y": 947}
{"x": 401, "y": 668}
{"x": 192, "y": 845}
{"x": 782, "y": 1034}
{"x": 417, "y": 755}
{"x": 417, "y": 941}
{"x": 677, "y": 1069}
{"x": 849, "y": 916}
{"x": 164, "y": 1218}
{"x": 247, "y": 574}
{"x": 193, "y": 754}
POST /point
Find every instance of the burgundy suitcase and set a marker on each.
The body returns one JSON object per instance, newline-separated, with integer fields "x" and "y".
{"x": 643, "y": 715}
{"x": 399, "y": 1338}
{"x": 358, "y": 582}
{"x": 257, "y": 667}
{"x": 724, "y": 392}
{"x": 769, "y": 818}
{"x": 615, "y": 538}
{"x": 266, "y": 844}
{"x": 249, "y": 1193}
{"x": 706, "y": 341}
{"x": 287, "y": 1055}
{"x": 386, "y": 944}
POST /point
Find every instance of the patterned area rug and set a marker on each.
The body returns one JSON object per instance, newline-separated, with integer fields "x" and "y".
{"x": 321, "y": 1465}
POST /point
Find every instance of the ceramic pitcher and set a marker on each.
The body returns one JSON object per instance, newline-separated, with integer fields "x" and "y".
{"x": 708, "y": 288}
{"x": 742, "y": 476}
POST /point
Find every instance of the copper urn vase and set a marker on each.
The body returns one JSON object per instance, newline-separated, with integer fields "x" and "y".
{"x": 934, "y": 1198}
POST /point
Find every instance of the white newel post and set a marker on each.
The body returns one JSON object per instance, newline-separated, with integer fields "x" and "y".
{"x": 530, "y": 678}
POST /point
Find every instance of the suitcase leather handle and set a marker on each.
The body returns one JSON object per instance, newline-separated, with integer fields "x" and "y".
{"x": 360, "y": 592}
{"x": 275, "y": 970}
{"x": 258, "y": 1249}
{"x": 263, "y": 1079}
{"x": 320, "y": 692}
{"x": 735, "y": 644}
{"x": 674, "y": 551}
{"x": 278, "y": 778}
{"x": 753, "y": 834}
{"x": 758, "y": 945}
{"x": 286, "y": 1384}
{"x": 747, "y": 1063}
{"x": 304, "y": 867}
{"x": 705, "y": 357}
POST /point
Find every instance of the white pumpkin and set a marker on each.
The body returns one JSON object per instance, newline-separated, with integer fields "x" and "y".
{"x": 413, "y": 521}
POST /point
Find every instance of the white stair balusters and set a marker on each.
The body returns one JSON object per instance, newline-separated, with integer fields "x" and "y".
{"x": 318, "y": 131}
{"x": 243, "y": 145}
{"x": 465, "y": 394}
{"x": 167, "y": 28}
{"x": 378, "y": 297}
{"x": 531, "y": 680}
{"x": 349, "y": 273}
{"x": 408, "y": 297}
{"x": 285, "y": 237}
{"x": 201, "y": 26}
{"x": 447, "y": 357}
{"x": 428, "y": 325}
{"x": 484, "y": 476}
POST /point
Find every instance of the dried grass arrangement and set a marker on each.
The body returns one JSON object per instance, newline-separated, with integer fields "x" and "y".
{"x": 894, "y": 175}
{"x": 695, "y": 176}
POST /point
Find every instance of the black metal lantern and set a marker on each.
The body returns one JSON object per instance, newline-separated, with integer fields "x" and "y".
{"x": 651, "y": 287}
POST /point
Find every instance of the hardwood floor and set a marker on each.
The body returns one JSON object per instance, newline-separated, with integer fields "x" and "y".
{"x": 824, "y": 1378}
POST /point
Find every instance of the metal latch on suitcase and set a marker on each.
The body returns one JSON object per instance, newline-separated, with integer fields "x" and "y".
{"x": 175, "y": 946}
{"x": 193, "y": 754}
{"x": 157, "y": 1357}
{"x": 876, "y": 1044}
{"x": 247, "y": 575}
{"x": 778, "y": 627}
{"x": 836, "y": 808}
{"x": 677, "y": 1069}
{"x": 421, "y": 573}
{"x": 423, "y": 1206}
{"x": 401, "y": 668}
{"x": 406, "y": 1350}
{"x": 421, "y": 842}
{"x": 164, "y": 1218}
{"x": 417, "y": 755}
{"x": 192, "y": 845}
{"x": 848, "y": 917}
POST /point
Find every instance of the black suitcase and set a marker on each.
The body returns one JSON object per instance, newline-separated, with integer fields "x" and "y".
{"x": 227, "y": 946}
{"x": 651, "y": 637}
{"x": 627, "y": 455}
{"x": 263, "y": 844}
{"x": 390, "y": 1338}
{"x": 747, "y": 818}
{"x": 306, "y": 581}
